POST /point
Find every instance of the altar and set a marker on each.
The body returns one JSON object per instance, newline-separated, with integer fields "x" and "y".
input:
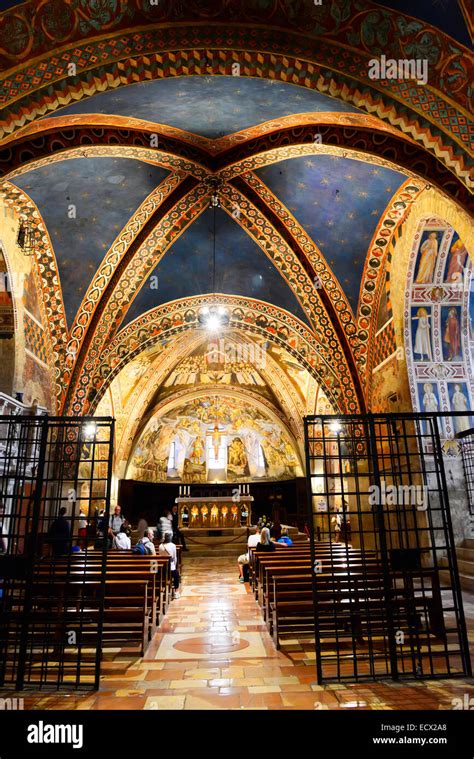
{"x": 219, "y": 512}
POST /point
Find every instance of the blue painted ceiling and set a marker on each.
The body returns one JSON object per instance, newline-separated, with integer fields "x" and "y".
{"x": 242, "y": 268}
{"x": 105, "y": 193}
{"x": 209, "y": 106}
{"x": 338, "y": 201}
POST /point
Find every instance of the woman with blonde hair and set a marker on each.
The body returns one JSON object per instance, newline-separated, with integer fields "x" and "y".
{"x": 265, "y": 543}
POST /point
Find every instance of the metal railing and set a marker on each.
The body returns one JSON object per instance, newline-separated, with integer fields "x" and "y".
{"x": 55, "y": 475}
{"x": 387, "y": 598}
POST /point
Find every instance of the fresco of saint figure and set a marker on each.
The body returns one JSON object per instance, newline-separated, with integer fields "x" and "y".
{"x": 422, "y": 345}
{"x": 460, "y": 403}
{"x": 452, "y": 336}
{"x": 429, "y": 253}
{"x": 237, "y": 461}
{"x": 457, "y": 260}
{"x": 430, "y": 401}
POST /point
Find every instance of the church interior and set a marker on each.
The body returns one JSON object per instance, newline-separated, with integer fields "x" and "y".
{"x": 236, "y": 294}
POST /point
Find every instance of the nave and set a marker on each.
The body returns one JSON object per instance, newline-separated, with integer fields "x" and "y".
{"x": 213, "y": 651}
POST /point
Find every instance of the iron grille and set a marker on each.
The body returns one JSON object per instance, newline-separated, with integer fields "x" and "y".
{"x": 52, "y": 589}
{"x": 386, "y": 590}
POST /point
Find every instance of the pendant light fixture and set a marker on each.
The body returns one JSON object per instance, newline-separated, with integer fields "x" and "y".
{"x": 215, "y": 317}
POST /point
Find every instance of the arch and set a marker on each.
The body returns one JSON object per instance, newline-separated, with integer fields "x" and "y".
{"x": 170, "y": 357}
{"x": 166, "y": 49}
{"x": 248, "y": 315}
{"x": 374, "y": 144}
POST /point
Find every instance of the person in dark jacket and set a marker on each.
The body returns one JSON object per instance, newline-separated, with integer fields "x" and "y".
{"x": 60, "y": 534}
{"x": 178, "y": 536}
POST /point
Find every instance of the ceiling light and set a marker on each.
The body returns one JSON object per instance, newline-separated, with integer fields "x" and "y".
{"x": 213, "y": 323}
{"x": 214, "y": 319}
{"x": 335, "y": 427}
{"x": 90, "y": 430}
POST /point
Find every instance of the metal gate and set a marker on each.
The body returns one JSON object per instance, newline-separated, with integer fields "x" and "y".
{"x": 386, "y": 589}
{"x": 51, "y": 583}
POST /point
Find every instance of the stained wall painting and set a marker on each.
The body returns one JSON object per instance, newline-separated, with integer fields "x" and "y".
{"x": 214, "y": 439}
{"x": 439, "y": 307}
{"x": 25, "y": 359}
{"x": 7, "y": 329}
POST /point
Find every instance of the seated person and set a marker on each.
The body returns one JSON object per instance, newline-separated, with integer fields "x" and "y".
{"x": 59, "y": 534}
{"x": 121, "y": 541}
{"x": 147, "y": 541}
{"x": 245, "y": 558}
{"x": 285, "y": 538}
{"x": 168, "y": 547}
{"x": 265, "y": 543}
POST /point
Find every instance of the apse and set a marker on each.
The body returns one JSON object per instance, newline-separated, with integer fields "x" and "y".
{"x": 214, "y": 439}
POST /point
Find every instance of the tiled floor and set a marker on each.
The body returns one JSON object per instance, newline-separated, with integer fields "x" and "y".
{"x": 213, "y": 651}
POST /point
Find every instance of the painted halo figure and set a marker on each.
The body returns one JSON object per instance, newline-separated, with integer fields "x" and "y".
{"x": 460, "y": 403}
{"x": 452, "y": 335}
{"x": 457, "y": 261}
{"x": 429, "y": 253}
{"x": 422, "y": 345}
{"x": 430, "y": 401}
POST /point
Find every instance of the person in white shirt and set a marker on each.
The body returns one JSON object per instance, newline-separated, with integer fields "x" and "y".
{"x": 168, "y": 547}
{"x": 121, "y": 541}
{"x": 166, "y": 523}
{"x": 244, "y": 559}
{"x": 82, "y": 530}
{"x": 147, "y": 541}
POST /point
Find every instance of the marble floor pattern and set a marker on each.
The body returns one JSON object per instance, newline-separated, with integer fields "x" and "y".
{"x": 213, "y": 651}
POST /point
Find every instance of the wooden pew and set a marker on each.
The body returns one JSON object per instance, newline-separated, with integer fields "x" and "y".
{"x": 74, "y": 607}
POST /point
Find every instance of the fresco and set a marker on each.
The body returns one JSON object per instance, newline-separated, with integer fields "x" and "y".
{"x": 451, "y": 332}
{"x": 439, "y": 316}
{"x": 434, "y": 12}
{"x": 338, "y": 201}
{"x": 242, "y": 268}
{"x": 208, "y": 106}
{"x": 7, "y": 324}
{"x": 456, "y": 261}
{"x": 459, "y": 400}
{"x": 36, "y": 383}
{"x": 428, "y": 257}
{"x": 85, "y": 202}
{"x": 421, "y": 321}
{"x": 245, "y": 441}
{"x": 222, "y": 361}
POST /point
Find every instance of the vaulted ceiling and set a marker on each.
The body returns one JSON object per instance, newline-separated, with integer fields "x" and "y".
{"x": 120, "y": 155}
